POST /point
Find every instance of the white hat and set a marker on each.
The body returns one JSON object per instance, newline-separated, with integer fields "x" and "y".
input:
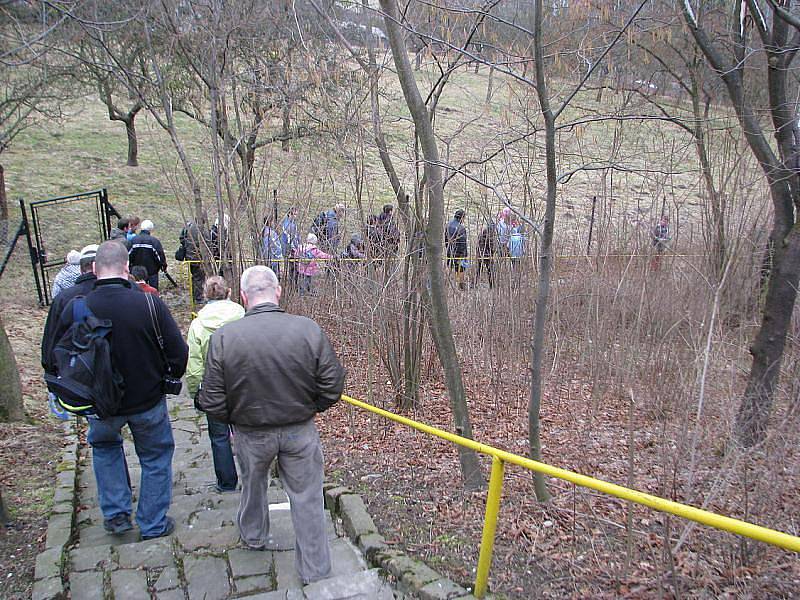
{"x": 311, "y": 239}
{"x": 339, "y": 207}
{"x": 73, "y": 257}
{"x": 89, "y": 251}
{"x": 147, "y": 225}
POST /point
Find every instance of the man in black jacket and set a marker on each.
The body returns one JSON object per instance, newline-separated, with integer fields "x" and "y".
{"x": 268, "y": 374}
{"x": 146, "y": 250}
{"x": 140, "y": 360}
{"x": 456, "y": 244}
{"x": 192, "y": 239}
{"x": 83, "y": 285}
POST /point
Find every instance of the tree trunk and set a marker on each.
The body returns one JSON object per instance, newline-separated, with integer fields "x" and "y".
{"x": 767, "y": 349}
{"x": 287, "y": 125}
{"x": 5, "y": 517}
{"x": 440, "y": 318}
{"x": 3, "y": 209}
{"x": 490, "y": 85}
{"x": 11, "y": 408}
{"x": 133, "y": 142}
{"x": 3, "y": 197}
{"x": 545, "y": 260}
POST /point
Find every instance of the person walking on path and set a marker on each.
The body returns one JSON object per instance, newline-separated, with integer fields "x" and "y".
{"x": 269, "y": 374}
{"x": 271, "y": 246}
{"x": 504, "y": 230}
{"x": 516, "y": 245}
{"x": 146, "y": 250}
{"x": 134, "y": 223}
{"x": 457, "y": 249}
{"x": 290, "y": 240}
{"x": 139, "y": 277}
{"x": 661, "y": 238}
{"x": 144, "y": 365}
{"x": 307, "y": 266}
{"x": 487, "y": 248}
{"x": 68, "y": 274}
{"x": 328, "y": 228}
{"x": 192, "y": 239}
{"x": 120, "y": 233}
{"x": 218, "y": 311}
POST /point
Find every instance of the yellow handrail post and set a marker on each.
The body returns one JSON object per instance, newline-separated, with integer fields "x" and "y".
{"x": 489, "y": 526}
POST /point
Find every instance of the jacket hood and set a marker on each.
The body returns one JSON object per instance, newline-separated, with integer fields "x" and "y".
{"x": 215, "y": 314}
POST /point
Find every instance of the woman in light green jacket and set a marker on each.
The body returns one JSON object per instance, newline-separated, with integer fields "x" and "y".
{"x": 217, "y": 312}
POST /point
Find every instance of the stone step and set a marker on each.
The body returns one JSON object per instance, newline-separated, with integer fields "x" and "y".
{"x": 204, "y": 557}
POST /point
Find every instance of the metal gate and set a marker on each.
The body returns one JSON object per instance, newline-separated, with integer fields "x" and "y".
{"x": 64, "y": 224}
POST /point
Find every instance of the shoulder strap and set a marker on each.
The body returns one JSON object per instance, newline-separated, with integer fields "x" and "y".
{"x": 79, "y": 309}
{"x": 151, "y": 308}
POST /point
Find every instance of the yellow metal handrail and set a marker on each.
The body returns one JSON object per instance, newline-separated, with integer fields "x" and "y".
{"x": 500, "y": 457}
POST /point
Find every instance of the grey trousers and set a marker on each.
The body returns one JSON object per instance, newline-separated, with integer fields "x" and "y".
{"x": 301, "y": 470}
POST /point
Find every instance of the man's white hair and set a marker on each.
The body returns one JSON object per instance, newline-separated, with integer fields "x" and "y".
{"x": 259, "y": 280}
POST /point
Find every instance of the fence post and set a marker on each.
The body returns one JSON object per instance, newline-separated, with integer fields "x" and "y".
{"x": 489, "y": 527}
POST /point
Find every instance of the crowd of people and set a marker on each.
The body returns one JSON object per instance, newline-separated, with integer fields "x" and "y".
{"x": 502, "y": 238}
{"x": 282, "y": 246}
{"x": 256, "y": 371}
{"x": 268, "y": 394}
{"x": 146, "y": 257}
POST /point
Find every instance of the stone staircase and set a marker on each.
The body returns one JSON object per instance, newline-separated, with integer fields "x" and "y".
{"x": 203, "y": 558}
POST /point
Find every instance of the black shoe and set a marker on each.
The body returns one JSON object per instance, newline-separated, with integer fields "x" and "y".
{"x": 118, "y": 525}
{"x": 168, "y": 529}
{"x": 221, "y": 490}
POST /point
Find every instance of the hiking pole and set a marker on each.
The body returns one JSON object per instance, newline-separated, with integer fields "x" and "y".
{"x": 170, "y": 279}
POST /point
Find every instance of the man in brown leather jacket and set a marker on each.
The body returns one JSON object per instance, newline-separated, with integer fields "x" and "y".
{"x": 268, "y": 374}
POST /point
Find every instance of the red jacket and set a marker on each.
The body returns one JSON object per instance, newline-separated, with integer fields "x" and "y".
{"x": 148, "y": 289}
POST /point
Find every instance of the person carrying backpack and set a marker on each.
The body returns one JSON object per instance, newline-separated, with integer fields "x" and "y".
{"x": 144, "y": 356}
{"x": 455, "y": 238}
{"x": 327, "y": 228}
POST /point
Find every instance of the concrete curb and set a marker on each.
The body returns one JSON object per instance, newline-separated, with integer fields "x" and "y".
{"x": 413, "y": 576}
{"x": 50, "y": 571}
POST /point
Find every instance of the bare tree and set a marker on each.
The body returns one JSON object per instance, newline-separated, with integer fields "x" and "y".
{"x": 440, "y": 319}
{"x": 114, "y": 79}
{"x": 780, "y": 166}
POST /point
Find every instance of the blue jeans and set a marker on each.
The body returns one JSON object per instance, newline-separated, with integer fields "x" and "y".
{"x": 152, "y": 439}
{"x": 221, "y": 452}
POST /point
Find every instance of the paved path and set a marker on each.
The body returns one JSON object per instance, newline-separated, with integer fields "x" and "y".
{"x": 204, "y": 558}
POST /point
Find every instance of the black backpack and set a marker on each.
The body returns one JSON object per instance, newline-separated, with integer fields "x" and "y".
{"x": 86, "y": 382}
